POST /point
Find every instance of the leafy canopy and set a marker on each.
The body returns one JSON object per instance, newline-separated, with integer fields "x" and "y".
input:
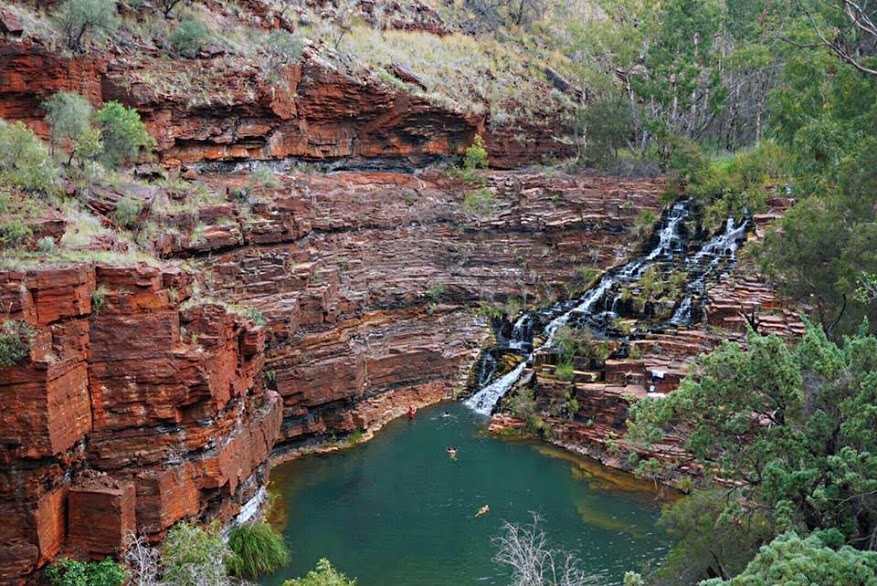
{"x": 794, "y": 429}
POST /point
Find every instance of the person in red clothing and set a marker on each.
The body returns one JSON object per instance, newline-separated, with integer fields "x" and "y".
{"x": 410, "y": 412}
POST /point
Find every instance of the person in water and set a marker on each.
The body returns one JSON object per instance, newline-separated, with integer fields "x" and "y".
{"x": 452, "y": 452}
{"x": 411, "y": 412}
{"x": 482, "y": 511}
{"x": 446, "y": 414}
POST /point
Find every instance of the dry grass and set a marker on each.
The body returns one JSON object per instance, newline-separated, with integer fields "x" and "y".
{"x": 474, "y": 75}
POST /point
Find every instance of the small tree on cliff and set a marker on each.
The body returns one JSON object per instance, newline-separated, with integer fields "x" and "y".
{"x": 79, "y": 19}
{"x": 69, "y": 116}
{"x": 476, "y": 155}
{"x": 123, "y": 134}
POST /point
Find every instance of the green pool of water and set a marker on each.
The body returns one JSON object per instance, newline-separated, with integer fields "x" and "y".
{"x": 399, "y": 511}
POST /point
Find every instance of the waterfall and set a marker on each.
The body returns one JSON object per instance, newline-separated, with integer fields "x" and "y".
{"x": 486, "y": 399}
{"x": 522, "y": 332}
{"x": 682, "y": 315}
{"x": 724, "y": 246}
{"x": 670, "y": 243}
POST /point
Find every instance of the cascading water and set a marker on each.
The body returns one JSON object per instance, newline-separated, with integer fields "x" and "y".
{"x": 671, "y": 243}
{"x": 704, "y": 264}
{"x": 486, "y": 399}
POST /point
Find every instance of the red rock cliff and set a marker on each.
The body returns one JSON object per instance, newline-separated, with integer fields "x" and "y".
{"x": 133, "y": 411}
{"x": 368, "y": 280}
{"x": 222, "y": 109}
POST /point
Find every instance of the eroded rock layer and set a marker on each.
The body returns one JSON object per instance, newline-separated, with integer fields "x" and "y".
{"x": 222, "y": 108}
{"x": 368, "y": 281}
{"x": 133, "y": 410}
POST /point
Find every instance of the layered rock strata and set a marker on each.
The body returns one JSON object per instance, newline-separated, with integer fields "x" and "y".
{"x": 134, "y": 409}
{"x": 368, "y": 281}
{"x": 656, "y": 365}
{"x": 224, "y": 108}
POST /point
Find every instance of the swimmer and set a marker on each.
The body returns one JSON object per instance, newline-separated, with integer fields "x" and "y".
{"x": 452, "y": 452}
{"x": 446, "y": 414}
{"x": 482, "y": 511}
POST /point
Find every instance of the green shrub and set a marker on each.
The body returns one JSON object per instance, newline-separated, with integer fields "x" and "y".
{"x": 607, "y": 125}
{"x": 255, "y": 316}
{"x": 69, "y": 117}
{"x": 192, "y": 556}
{"x": 14, "y": 233}
{"x": 123, "y": 134}
{"x": 565, "y": 371}
{"x": 258, "y": 550}
{"x": 476, "y": 155}
{"x": 263, "y": 176}
{"x": 99, "y": 298}
{"x": 127, "y": 211}
{"x": 323, "y": 575}
{"x": 189, "y": 37}
{"x": 479, "y": 203}
{"x": 67, "y": 572}
{"x": 25, "y": 160}
{"x": 283, "y": 48}
{"x": 15, "y": 340}
{"x": 46, "y": 245}
{"x": 78, "y": 19}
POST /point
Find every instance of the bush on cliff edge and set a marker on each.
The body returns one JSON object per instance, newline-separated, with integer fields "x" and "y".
{"x": 258, "y": 550}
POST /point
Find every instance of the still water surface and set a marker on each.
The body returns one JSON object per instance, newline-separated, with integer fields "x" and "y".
{"x": 399, "y": 511}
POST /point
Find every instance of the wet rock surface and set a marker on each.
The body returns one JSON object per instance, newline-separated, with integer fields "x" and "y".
{"x": 587, "y": 406}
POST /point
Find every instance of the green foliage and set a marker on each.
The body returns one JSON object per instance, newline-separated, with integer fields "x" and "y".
{"x": 127, "y": 211}
{"x": 26, "y": 162}
{"x": 69, "y": 117}
{"x": 435, "y": 292}
{"x": 46, "y": 245}
{"x": 810, "y": 448}
{"x": 192, "y": 556}
{"x": 476, "y": 155}
{"x": 565, "y": 371}
{"x": 522, "y": 405}
{"x": 15, "y": 340}
{"x": 67, "y": 572}
{"x": 99, "y": 298}
{"x": 478, "y": 204}
{"x": 263, "y": 176}
{"x": 323, "y": 575}
{"x": 123, "y": 134}
{"x": 713, "y": 536}
{"x": 607, "y": 125}
{"x": 729, "y": 186}
{"x": 14, "y": 232}
{"x": 82, "y": 19}
{"x": 282, "y": 48}
{"x": 189, "y": 37}
{"x": 825, "y": 243}
{"x": 258, "y": 550}
{"x": 254, "y": 315}
{"x": 791, "y": 560}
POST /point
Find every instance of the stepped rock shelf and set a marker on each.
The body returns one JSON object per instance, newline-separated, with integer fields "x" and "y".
{"x": 152, "y": 408}
{"x": 129, "y": 414}
{"x": 720, "y": 298}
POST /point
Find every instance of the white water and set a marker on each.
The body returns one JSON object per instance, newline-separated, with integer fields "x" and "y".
{"x": 723, "y": 246}
{"x": 485, "y": 400}
{"x": 669, "y": 243}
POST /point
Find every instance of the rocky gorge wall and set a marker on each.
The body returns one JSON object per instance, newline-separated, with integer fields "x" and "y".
{"x": 368, "y": 281}
{"x": 223, "y": 108}
{"x": 133, "y": 410}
